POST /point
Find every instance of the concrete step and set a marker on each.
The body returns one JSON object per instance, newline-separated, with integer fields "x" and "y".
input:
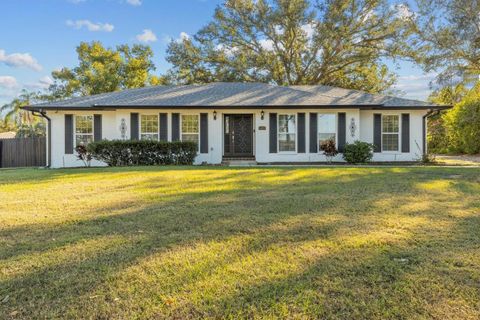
{"x": 239, "y": 163}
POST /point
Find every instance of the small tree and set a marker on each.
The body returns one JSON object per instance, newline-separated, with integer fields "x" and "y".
{"x": 84, "y": 155}
{"x": 329, "y": 149}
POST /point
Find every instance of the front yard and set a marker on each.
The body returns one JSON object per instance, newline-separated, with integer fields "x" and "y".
{"x": 341, "y": 243}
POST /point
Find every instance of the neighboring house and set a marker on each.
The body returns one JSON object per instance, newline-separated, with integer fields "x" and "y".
{"x": 7, "y": 135}
{"x": 261, "y": 122}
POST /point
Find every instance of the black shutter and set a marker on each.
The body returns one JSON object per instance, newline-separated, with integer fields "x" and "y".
{"x": 68, "y": 134}
{"x": 377, "y": 132}
{"x": 97, "y": 127}
{"x": 175, "y": 126}
{"x": 342, "y": 131}
{"x": 203, "y": 132}
{"x": 163, "y": 127}
{"x": 405, "y": 132}
{"x": 313, "y": 133}
{"x": 134, "y": 126}
{"x": 273, "y": 133}
{"x": 301, "y": 133}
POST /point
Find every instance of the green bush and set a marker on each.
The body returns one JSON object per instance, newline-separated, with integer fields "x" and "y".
{"x": 463, "y": 125}
{"x": 143, "y": 152}
{"x": 358, "y": 152}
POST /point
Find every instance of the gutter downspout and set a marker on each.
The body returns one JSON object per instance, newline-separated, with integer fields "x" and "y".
{"x": 43, "y": 114}
{"x": 431, "y": 112}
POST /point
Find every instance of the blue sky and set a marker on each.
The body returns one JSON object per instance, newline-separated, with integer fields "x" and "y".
{"x": 38, "y": 36}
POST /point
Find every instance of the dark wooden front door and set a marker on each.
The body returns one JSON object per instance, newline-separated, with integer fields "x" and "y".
{"x": 238, "y": 135}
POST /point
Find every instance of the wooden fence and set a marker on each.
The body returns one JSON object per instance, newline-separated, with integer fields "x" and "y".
{"x": 23, "y": 152}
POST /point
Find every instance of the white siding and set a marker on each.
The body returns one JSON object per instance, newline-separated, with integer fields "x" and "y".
{"x": 416, "y": 135}
{"x": 111, "y": 121}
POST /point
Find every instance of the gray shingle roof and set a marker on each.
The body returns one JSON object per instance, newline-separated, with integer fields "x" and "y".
{"x": 233, "y": 95}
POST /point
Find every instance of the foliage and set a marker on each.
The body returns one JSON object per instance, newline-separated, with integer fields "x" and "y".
{"x": 143, "y": 152}
{"x": 35, "y": 130}
{"x": 437, "y": 133}
{"x": 84, "y": 155}
{"x": 447, "y": 31}
{"x": 338, "y": 43}
{"x": 240, "y": 243}
{"x": 103, "y": 70}
{"x": 6, "y": 126}
{"x": 13, "y": 114}
{"x": 428, "y": 158}
{"x": 358, "y": 152}
{"x": 462, "y": 124}
{"x": 329, "y": 149}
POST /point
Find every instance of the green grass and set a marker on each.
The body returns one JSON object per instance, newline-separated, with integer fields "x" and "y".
{"x": 334, "y": 243}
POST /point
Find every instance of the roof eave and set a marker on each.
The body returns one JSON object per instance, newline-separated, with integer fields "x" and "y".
{"x": 327, "y": 106}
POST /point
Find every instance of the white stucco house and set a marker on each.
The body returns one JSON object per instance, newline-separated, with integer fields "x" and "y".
{"x": 259, "y": 122}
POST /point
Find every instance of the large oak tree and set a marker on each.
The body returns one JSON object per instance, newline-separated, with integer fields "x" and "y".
{"x": 295, "y": 42}
{"x": 449, "y": 33}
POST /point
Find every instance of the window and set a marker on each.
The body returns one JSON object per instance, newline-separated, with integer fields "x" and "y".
{"x": 286, "y": 133}
{"x": 83, "y": 130}
{"x": 390, "y": 132}
{"x": 190, "y": 128}
{"x": 149, "y": 127}
{"x": 327, "y": 128}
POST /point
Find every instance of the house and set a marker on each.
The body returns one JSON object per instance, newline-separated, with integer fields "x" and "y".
{"x": 261, "y": 122}
{"x": 7, "y": 135}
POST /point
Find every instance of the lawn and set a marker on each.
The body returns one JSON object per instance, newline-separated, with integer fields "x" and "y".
{"x": 334, "y": 243}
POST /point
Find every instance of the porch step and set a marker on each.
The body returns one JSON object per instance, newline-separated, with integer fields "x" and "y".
{"x": 239, "y": 162}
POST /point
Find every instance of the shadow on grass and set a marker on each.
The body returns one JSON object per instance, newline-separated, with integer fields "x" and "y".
{"x": 252, "y": 212}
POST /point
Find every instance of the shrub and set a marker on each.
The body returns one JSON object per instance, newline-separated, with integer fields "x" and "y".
{"x": 143, "y": 152}
{"x": 463, "y": 125}
{"x": 329, "y": 149}
{"x": 437, "y": 134}
{"x": 428, "y": 158}
{"x": 84, "y": 155}
{"x": 358, "y": 152}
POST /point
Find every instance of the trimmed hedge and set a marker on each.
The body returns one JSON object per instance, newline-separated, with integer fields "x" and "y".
{"x": 143, "y": 152}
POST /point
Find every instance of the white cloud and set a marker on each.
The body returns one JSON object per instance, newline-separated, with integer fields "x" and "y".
{"x": 266, "y": 44}
{"x": 8, "y": 82}
{"x": 134, "y": 2}
{"x": 42, "y": 83}
{"x": 309, "y": 30}
{"x": 147, "y": 36}
{"x": 78, "y": 24}
{"x": 416, "y": 86}
{"x": 183, "y": 36}
{"x": 19, "y": 60}
{"x": 404, "y": 12}
{"x": 227, "y": 50}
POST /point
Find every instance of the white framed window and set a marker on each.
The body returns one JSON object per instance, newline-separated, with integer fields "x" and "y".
{"x": 190, "y": 128}
{"x": 287, "y": 133}
{"x": 390, "y": 132}
{"x": 83, "y": 130}
{"x": 149, "y": 127}
{"x": 327, "y": 128}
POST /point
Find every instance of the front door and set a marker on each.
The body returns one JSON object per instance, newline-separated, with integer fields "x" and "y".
{"x": 238, "y": 135}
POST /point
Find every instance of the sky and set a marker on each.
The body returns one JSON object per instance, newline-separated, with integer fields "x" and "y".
{"x": 39, "y": 36}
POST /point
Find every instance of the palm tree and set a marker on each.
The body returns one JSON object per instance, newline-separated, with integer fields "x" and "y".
{"x": 13, "y": 112}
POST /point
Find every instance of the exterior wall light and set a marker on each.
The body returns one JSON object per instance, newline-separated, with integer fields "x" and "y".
{"x": 214, "y": 115}
{"x": 262, "y": 115}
